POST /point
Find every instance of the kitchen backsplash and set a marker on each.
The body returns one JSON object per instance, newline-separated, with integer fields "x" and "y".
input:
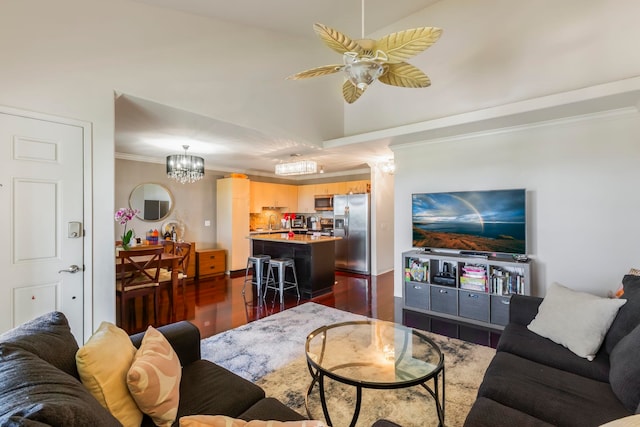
{"x": 261, "y": 220}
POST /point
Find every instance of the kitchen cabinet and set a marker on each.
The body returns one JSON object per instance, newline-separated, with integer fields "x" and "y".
{"x": 258, "y": 196}
{"x": 232, "y": 220}
{"x": 339, "y": 188}
{"x": 356, "y": 186}
{"x": 314, "y": 260}
{"x": 326, "y": 188}
{"x": 264, "y": 194}
{"x": 287, "y": 196}
{"x": 210, "y": 262}
{"x": 306, "y": 198}
{"x": 350, "y": 187}
{"x": 307, "y": 193}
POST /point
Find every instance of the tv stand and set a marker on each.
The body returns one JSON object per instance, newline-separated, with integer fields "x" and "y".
{"x": 475, "y": 254}
{"x": 461, "y": 295}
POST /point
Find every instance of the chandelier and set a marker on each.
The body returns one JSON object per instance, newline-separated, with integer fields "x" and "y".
{"x": 299, "y": 167}
{"x": 184, "y": 168}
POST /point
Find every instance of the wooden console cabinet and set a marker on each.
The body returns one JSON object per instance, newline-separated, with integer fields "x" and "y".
{"x": 210, "y": 262}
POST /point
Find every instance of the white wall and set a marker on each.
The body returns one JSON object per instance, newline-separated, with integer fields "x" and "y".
{"x": 382, "y": 218}
{"x": 581, "y": 179}
{"x": 496, "y": 52}
{"x": 193, "y": 203}
{"x": 67, "y": 57}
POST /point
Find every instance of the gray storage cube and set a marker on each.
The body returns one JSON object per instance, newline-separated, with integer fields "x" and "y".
{"x": 474, "y": 305}
{"x": 500, "y": 309}
{"x": 444, "y": 300}
{"x": 416, "y": 295}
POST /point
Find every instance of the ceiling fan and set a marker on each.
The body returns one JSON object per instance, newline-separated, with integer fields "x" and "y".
{"x": 366, "y": 60}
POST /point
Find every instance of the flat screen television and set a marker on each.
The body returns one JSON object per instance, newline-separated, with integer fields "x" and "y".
{"x": 491, "y": 221}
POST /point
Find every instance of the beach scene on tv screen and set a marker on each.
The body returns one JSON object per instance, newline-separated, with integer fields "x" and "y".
{"x": 483, "y": 221}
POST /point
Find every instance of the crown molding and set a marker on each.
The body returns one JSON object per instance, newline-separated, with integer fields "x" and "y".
{"x": 628, "y": 111}
{"x": 222, "y": 170}
{"x": 618, "y": 95}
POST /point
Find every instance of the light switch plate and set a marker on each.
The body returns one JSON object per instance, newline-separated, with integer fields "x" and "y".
{"x": 207, "y": 223}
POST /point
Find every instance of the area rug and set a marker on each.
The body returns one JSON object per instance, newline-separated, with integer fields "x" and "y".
{"x": 270, "y": 352}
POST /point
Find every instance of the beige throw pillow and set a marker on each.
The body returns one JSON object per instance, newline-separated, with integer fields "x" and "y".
{"x": 576, "y": 320}
{"x": 223, "y": 421}
{"x": 103, "y": 363}
{"x": 154, "y": 378}
{"x": 631, "y": 421}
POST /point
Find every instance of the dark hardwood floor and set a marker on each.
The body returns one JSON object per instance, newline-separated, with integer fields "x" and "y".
{"x": 216, "y": 305}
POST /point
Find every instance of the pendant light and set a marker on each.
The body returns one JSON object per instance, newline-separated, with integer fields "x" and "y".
{"x": 185, "y": 168}
{"x": 297, "y": 167}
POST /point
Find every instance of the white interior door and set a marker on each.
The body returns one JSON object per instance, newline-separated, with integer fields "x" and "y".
{"x": 41, "y": 208}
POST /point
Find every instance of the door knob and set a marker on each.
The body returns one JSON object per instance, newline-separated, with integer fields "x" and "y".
{"x": 72, "y": 269}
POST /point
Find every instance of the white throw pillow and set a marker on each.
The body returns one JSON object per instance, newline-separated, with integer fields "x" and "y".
{"x": 576, "y": 320}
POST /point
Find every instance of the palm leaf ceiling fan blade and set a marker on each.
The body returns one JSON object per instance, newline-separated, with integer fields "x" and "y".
{"x": 336, "y": 40}
{"x": 404, "y": 75}
{"x": 351, "y": 93}
{"x": 403, "y": 45}
{"x": 316, "y": 72}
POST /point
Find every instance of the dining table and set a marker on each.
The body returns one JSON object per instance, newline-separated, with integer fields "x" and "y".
{"x": 166, "y": 260}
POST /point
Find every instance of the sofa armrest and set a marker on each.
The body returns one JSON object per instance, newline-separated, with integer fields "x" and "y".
{"x": 183, "y": 336}
{"x": 523, "y": 309}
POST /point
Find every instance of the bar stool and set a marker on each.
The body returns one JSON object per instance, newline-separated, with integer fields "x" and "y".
{"x": 281, "y": 265}
{"x": 257, "y": 264}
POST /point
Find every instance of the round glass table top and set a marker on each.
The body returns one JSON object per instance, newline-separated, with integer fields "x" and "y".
{"x": 373, "y": 353}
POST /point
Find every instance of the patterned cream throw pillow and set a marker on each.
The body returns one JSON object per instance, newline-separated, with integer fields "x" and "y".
{"x": 224, "y": 421}
{"x": 154, "y": 378}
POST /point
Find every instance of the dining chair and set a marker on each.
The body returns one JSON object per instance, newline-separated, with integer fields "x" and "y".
{"x": 183, "y": 250}
{"x": 137, "y": 275}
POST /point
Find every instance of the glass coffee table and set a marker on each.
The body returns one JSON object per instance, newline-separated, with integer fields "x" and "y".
{"x": 374, "y": 354}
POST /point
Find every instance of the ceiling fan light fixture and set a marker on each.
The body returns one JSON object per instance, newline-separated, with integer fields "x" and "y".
{"x": 362, "y": 72}
{"x": 185, "y": 168}
{"x": 299, "y": 167}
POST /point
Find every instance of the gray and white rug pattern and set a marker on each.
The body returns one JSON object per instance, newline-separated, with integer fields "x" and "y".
{"x": 270, "y": 352}
{"x": 261, "y": 347}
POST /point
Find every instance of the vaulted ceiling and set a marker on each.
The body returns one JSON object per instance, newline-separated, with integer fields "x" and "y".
{"x": 143, "y": 126}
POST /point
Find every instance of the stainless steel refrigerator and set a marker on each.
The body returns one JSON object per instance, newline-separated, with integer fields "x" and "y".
{"x": 351, "y": 222}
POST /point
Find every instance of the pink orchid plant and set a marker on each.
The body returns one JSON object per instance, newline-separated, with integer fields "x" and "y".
{"x": 123, "y": 216}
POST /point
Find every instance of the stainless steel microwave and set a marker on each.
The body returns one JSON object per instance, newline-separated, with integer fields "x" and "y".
{"x": 324, "y": 202}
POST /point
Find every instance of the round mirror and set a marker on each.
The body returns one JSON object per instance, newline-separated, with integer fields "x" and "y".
{"x": 154, "y": 201}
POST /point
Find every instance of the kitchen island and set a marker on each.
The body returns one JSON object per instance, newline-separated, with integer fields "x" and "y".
{"x": 314, "y": 257}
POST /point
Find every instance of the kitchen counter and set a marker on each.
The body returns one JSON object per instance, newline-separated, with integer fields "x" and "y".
{"x": 264, "y": 231}
{"x": 303, "y": 239}
{"x": 281, "y": 230}
{"x": 314, "y": 257}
